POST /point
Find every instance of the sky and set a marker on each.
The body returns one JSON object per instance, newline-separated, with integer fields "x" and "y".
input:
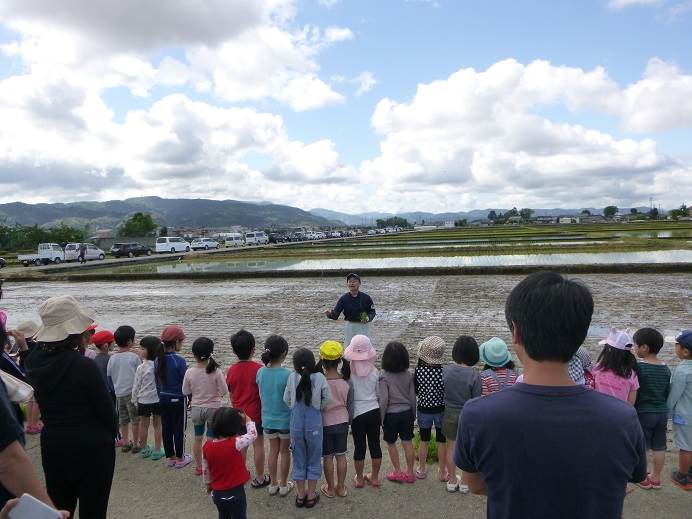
{"x": 349, "y": 105}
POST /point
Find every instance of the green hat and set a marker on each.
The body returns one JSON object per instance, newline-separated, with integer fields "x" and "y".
{"x": 494, "y": 352}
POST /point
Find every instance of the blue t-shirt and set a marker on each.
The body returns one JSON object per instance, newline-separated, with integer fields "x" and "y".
{"x": 272, "y": 383}
{"x": 552, "y": 452}
{"x": 174, "y": 369}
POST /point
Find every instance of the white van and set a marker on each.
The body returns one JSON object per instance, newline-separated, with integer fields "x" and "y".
{"x": 234, "y": 240}
{"x": 171, "y": 244}
{"x": 256, "y": 238}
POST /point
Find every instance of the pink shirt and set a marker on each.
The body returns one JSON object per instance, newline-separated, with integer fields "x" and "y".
{"x": 206, "y": 389}
{"x": 611, "y": 384}
{"x": 337, "y": 412}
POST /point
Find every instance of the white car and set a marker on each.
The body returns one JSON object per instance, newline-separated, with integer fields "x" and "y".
{"x": 92, "y": 252}
{"x": 256, "y": 238}
{"x": 171, "y": 244}
{"x": 372, "y": 232}
{"x": 335, "y": 234}
{"x": 234, "y": 240}
{"x": 204, "y": 244}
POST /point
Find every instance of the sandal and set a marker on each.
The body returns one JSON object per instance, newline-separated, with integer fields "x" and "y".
{"x": 421, "y": 473}
{"x": 342, "y": 493}
{"x": 300, "y": 501}
{"x": 312, "y": 502}
{"x": 373, "y": 482}
{"x": 325, "y": 491}
{"x": 357, "y": 483}
{"x": 256, "y": 483}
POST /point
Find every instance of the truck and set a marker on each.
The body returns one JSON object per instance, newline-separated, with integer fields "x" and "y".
{"x": 45, "y": 254}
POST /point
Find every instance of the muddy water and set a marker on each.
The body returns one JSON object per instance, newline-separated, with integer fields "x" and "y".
{"x": 408, "y": 309}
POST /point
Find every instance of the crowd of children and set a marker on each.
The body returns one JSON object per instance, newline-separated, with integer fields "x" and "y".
{"x": 306, "y": 412}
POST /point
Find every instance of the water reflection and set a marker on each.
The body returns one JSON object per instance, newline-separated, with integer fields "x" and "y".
{"x": 580, "y": 258}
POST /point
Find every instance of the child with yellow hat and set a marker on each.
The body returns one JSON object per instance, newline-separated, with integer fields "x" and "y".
{"x": 335, "y": 417}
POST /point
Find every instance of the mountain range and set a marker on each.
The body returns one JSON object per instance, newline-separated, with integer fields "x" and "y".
{"x": 201, "y": 212}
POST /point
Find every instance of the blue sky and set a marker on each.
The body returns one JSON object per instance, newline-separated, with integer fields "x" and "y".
{"x": 308, "y": 138}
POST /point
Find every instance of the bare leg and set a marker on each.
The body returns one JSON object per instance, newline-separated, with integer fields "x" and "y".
{"x": 143, "y": 430}
{"x": 451, "y": 467}
{"x": 442, "y": 460}
{"x": 300, "y": 486}
{"x": 422, "y": 455}
{"x": 394, "y": 456}
{"x": 408, "y": 453}
{"x": 328, "y": 465}
{"x": 685, "y": 461}
{"x": 157, "y": 433}
{"x": 125, "y": 433}
{"x": 285, "y": 463}
{"x": 359, "y": 466}
{"x": 659, "y": 459}
{"x": 341, "y": 467}
{"x": 135, "y": 433}
{"x": 312, "y": 486}
{"x": 258, "y": 456}
{"x": 273, "y": 460}
{"x": 197, "y": 451}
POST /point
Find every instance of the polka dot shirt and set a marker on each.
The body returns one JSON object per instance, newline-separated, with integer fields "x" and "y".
{"x": 429, "y": 388}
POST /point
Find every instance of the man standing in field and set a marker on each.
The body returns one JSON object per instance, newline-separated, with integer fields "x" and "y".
{"x": 357, "y": 307}
{"x": 548, "y": 448}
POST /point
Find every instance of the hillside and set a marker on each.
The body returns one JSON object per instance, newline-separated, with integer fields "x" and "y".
{"x": 166, "y": 211}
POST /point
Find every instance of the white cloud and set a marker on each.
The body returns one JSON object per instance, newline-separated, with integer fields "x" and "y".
{"x": 476, "y": 137}
{"x": 239, "y": 51}
{"x": 365, "y": 81}
{"x": 621, "y": 4}
{"x": 328, "y": 3}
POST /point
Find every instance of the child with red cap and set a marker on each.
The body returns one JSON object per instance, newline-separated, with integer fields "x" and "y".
{"x": 104, "y": 342}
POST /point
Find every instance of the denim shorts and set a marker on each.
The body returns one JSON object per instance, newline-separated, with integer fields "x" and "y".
{"x": 427, "y": 421}
{"x": 201, "y": 418}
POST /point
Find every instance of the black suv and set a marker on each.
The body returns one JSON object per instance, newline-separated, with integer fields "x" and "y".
{"x": 130, "y": 250}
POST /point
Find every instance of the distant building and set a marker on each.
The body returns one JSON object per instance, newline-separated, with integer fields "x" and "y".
{"x": 568, "y": 219}
{"x": 483, "y": 222}
{"x": 544, "y": 219}
{"x": 592, "y": 218}
{"x": 448, "y": 224}
{"x": 514, "y": 220}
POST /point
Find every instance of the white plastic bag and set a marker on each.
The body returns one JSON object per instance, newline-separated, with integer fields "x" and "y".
{"x": 17, "y": 390}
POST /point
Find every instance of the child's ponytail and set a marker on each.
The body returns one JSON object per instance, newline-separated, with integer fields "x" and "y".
{"x": 202, "y": 349}
{"x": 161, "y": 364}
{"x": 304, "y": 364}
{"x": 274, "y": 348}
{"x": 345, "y": 369}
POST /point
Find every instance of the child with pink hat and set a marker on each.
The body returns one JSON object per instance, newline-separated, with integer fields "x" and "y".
{"x": 366, "y": 409}
{"x": 615, "y": 372}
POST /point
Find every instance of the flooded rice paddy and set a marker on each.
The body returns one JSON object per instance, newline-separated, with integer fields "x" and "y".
{"x": 299, "y": 264}
{"x": 408, "y": 308}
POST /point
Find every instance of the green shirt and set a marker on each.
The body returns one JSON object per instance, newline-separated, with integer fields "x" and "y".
{"x": 654, "y": 386}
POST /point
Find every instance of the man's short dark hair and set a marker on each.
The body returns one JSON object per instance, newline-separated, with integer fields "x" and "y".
{"x": 551, "y": 314}
{"x": 124, "y": 334}
{"x": 466, "y": 351}
{"x": 242, "y": 343}
{"x": 649, "y": 336}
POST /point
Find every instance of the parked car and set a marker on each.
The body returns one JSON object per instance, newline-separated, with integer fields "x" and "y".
{"x": 276, "y": 237}
{"x": 256, "y": 238}
{"x": 92, "y": 252}
{"x": 130, "y": 250}
{"x": 204, "y": 244}
{"x": 3, "y": 263}
{"x": 46, "y": 253}
{"x": 171, "y": 244}
{"x": 371, "y": 232}
{"x": 234, "y": 240}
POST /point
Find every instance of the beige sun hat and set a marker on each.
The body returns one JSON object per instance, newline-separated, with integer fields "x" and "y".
{"x": 28, "y": 329}
{"x": 62, "y": 316}
{"x": 432, "y": 350}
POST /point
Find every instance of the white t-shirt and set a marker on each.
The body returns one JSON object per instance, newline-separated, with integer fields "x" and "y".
{"x": 121, "y": 370}
{"x": 366, "y": 392}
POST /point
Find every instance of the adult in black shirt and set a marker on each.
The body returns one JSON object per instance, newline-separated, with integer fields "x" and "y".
{"x": 358, "y": 309}
{"x": 77, "y": 411}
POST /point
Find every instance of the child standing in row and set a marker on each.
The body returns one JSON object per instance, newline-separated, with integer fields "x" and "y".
{"x": 170, "y": 369}
{"x": 225, "y": 473}
{"x": 121, "y": 374}
{"x": 365, "y": 426}
{"x": 335, "y": 417}
{"x": 398, "y": 409}
{"x": 206, "y": 386}
{"x": 104, "y": 342}
{"x": 615, "y": 372}
{"x": 241, "y": 380}
{"x": 276, "y": 416}
{"x": 651, "y": 406}
{"x": 462, "y": 383}
{"x": 427, "y": 379}
{"x": 680, "y": 407}
{"x": 146, "y": 398}
{"x": 498, "y": 371}
{"x": 306, "y": 394}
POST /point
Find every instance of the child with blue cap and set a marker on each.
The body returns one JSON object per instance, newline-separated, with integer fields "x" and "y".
{"x": 680, "y": 407}
{"x": 499, "y": 371}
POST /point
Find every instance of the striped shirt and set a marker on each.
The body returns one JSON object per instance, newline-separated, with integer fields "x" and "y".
{"x": 494, "y": 380}
{"x": 654, "y": 386}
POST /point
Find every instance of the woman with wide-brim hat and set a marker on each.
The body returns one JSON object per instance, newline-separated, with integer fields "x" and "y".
{"x": 79, "y": 419}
